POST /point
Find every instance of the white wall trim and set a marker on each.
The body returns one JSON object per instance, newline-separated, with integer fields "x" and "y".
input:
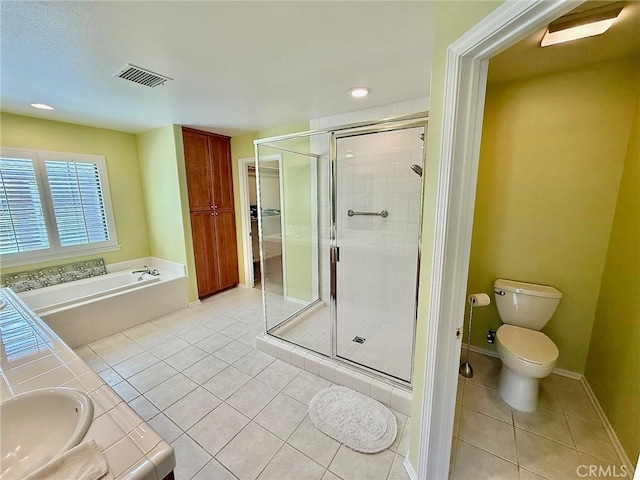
{"x": 463, "y": 104}
{"x": 245, "y": 218}
{"x": 409, "y": 469}
{"x": 607, "y": 426}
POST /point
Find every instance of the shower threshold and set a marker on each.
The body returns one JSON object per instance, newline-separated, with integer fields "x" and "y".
{"x": 390, "y": 393}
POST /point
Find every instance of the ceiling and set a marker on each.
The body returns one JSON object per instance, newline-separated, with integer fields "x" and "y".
{"x": 236, "y": 66}
{"x": 526, "y": 58}
{"x": 241, "y": 65}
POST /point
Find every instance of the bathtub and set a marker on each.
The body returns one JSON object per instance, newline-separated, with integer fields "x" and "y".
{"x": 88, "y": 310}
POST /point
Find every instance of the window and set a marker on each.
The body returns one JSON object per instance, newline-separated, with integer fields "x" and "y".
{"x": 53, "y": 205}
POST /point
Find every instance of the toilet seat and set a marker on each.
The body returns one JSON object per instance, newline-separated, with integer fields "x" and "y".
{"x": 529, "y": 346}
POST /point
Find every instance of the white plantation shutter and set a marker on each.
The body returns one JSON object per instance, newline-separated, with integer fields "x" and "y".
{"x": 22, "y": 224}
{"x": 78, "y": 203}
{"x": 53, "y": 205}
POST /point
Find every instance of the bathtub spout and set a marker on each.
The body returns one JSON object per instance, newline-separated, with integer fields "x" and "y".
{"x": 146, "y": 269}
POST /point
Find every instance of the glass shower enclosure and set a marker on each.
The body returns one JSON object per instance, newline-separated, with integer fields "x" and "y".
{"x": 340, "y": 255}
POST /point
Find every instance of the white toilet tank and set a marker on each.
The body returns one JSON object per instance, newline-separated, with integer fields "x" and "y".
{"x": 525, "y": 304}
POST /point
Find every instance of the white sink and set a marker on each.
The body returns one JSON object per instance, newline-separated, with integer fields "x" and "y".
{"x": 38, "y": 426}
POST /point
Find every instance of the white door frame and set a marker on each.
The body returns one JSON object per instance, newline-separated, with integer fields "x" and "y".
{"x": 247, "y": 246}
{"x": 463, "y": 109}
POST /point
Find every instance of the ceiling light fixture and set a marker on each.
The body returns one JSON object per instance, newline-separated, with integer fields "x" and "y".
{"x": 42, "y": 106}
{"x": 582, "y": 24}
{"x": 359, "y": 92}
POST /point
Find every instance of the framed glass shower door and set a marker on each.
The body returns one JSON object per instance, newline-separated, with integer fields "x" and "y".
{"x": 378, "y": 199}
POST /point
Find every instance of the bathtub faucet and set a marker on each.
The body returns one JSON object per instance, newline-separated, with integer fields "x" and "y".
{"x": 153, "y": 272}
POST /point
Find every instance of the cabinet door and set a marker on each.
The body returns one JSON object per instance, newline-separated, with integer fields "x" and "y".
{"x": 198, "y": 166}
{"x": 204, "y": 246}
{"x": 220, "y": 149}
{"x": 227, "y": 252}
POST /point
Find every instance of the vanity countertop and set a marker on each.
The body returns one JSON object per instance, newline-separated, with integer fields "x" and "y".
{"x": 33, "y": 357}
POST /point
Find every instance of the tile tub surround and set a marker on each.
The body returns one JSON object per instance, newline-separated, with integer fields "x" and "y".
{"x": 492, "y": 440}
{"x": 34, "y": 357}
{"x": 229, "y": 410}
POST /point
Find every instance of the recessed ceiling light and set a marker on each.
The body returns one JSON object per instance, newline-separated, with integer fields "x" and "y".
{"x": 42, "y": 106}
{"x": 582, "y": 24}
{"x": 359, "y": 92}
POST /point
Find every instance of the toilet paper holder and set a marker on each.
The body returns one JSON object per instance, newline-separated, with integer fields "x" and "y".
{"x": 477, "y": 300}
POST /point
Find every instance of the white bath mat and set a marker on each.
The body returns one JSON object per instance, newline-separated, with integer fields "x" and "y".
{"x": 360, "y": 422}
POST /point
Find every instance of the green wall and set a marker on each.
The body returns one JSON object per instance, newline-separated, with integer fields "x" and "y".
{"x": 450, "y": 21}
{"x": 120, "y": 152}
{"x": 296, "y": 180}
{"x": 551, "y": 159}
{"x": 161, "y": 157}
{"x": 614, "y": 351}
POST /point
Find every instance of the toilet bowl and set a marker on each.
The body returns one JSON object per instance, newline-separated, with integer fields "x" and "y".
{"x": 527, "y": 354}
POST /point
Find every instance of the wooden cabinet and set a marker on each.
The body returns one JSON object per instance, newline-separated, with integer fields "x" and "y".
{"x": 213, "y": 225}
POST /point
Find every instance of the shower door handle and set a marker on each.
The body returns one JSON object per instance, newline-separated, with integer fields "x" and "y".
{"x": 335, "y": 254}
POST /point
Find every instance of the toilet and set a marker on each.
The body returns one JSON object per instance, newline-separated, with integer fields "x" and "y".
{"x": 527, "y": 354}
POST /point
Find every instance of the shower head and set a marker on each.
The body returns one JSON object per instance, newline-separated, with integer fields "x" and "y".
{"x": 417, "y": 169}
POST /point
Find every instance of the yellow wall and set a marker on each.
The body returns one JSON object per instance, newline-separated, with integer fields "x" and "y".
{"x": 119, "y": 150}
{"x": 295, "y": 173}
{"x": 161, "y": 156}
{"x": 614, "y": 352}
{"x": 551, "y": 159}
{"x": 450, "y": 20}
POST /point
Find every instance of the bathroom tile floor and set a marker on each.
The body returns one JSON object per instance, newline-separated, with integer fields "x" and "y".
{"x": 492, "y": 440}
{"x": 229, "y": 410}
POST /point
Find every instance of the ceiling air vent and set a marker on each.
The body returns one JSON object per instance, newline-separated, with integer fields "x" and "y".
{"x": 141, "y": 76}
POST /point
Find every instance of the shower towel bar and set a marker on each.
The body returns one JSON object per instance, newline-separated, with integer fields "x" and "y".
{"x": 383, "y": 213}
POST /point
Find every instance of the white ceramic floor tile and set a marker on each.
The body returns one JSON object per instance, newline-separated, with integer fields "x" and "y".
{"x": 252, "y": 397}
{"x": 185, "y": 357}
{"x": 136, "y": 364}
{"x": 214, "y": 342}
{"x": 313, "y": 443}
{"x": 473, "y": 463}
{"x": 205, "y": 369}
{"x": 249, "y": 452}
{"x": 486, "y": 401}
{"x": 351, "y": 465}
{"x": 225, "y": 384}
{"x": 190, "y": 457}
{"x": 485, "y": 432}
{"x": 545, "y": 423}
{"x": 305, "y": 386}
{"x": 144, "y": 408}
{"x": 173, "y": 346}
{"x": 217, "y": 429}
{"x": 253, "y": 362}
{"x": 170, "y": 391}
{"x": 232, "y": 351}
{"x": 546, "y": 457}
{"x": 282, "y": 416}
{"x": 593, "y": 440}
{"x": 577, "y": 404}
{"x": 289, "y": 463}
{"x": 214, "y": 471}
{"x": 168, "y": 430}
{"x": 278, "y": 374}
{"x": 398, "y": 472}
{"x": 192, "y": 407}
{"x": 152, "y": 376}
{"x": 126, "y": 391}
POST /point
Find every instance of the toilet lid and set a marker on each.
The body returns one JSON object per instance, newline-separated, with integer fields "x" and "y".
{"x": 529, "y": 345}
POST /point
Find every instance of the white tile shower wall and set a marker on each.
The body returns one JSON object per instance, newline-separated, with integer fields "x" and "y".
{"x": 319, "y": 144}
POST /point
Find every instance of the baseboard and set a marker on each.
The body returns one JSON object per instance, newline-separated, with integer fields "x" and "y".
{"x": 558, "y": 371}
{"x": 194, "y": 303}
{"x": 594, "y": 400}
{"x": 607, "y": 426}
{"x": 409, "y": 468}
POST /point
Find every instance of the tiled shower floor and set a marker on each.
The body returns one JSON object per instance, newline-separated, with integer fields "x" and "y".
{"x": 229, "y": 410}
